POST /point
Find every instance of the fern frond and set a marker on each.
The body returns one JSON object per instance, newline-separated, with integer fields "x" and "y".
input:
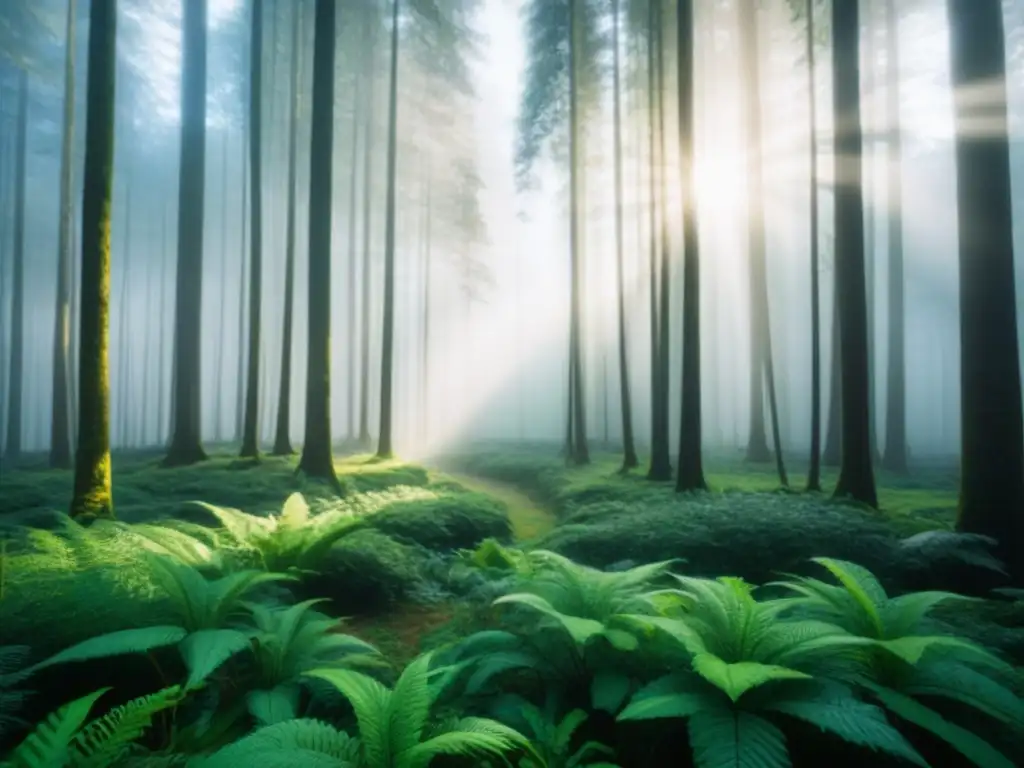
{"x": 302, "y": 742}
{"x": 104, "y": 740}
{"x": 126, "y": 641}
{"x": 371, "y": 701}
{"x": 726, "y": 738}
{"x": 48, "y": 745}
{"x": 736, "y": 678}
{"x": 409, "y": 706}
{"x": 204, "y": 651}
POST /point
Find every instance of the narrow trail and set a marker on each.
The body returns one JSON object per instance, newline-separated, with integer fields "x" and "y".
{"x": 529, "y": 519}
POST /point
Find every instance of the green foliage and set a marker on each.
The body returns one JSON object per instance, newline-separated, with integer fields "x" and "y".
{"x": 291, "y": 743}
{"x": 393, "y": 723}
{"x": 288, "y": 643}
{"x": 65, "y": 740}
{"x": 445, "y": 522}
{"x": 13, "y": 671}
{"x": 899, "y": 663}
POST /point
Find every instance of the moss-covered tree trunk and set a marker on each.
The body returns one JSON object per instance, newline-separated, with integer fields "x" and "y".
{"x": 282, "y": 432}
{"x": 186, "y": 442}
{"x": 385, "y": 447}
{"x": 690, "y": 476}
{"x": 60, "y": 426}
{"x": 992, "y": 425}
{"x": 317, "y": 460}
{"x": 856, "y": 475}
{"x": 250, "y": 427}
{"x": 92, "y": 489}
{"x": 895, "y": 457}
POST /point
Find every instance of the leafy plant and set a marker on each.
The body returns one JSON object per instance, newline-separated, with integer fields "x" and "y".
{"x": 746, "y": 668}
{"x": 208, "y": 611}
{"x": 65, "y": 740}
{"x": 305, "y": 742}
{"x": 899, "y": 663}
{"x": 288, "y": 643}
{"x": 393, "y": 723}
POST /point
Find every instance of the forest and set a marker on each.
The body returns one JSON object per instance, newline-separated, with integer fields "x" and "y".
{"x": 526, "y": 383}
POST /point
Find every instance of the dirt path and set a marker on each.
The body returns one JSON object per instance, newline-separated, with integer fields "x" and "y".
{"x": 529, "y": 520}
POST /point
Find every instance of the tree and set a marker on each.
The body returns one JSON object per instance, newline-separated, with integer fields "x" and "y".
{"x": 186, "y": 446}
{"x": 92, "y": 489}
{"x": 691, "y": 470}
{"x": 250, "y": 436}
{"x": 629, "y": 457}
{"x": 992, "y": 426}
{"x": 316, "y": 460}
{"x": 384, "y": 440}
{"x": 814, "y": 465}
{"x": 14, "y": 391}
{"x": 895, "y": 456}
{"x": 282, "y": 437}
{"x": 60, "y": 427}
{"x": 856, "y": 476}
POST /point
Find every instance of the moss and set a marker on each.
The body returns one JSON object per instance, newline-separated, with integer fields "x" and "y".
{"x": 368, "y": 473}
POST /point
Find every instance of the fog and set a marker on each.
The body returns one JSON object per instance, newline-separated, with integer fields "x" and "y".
{"x": 482, "y": 337}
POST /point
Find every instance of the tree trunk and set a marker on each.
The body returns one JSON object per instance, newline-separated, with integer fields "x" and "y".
{"x": 5, "y": 194}
{"x": 242, "y": 293}
{"x": 580, "y": 451}
{"x": 163, "y": 428}
{"x": 282, "y": 437}
{"x": 425, "y": 421}
{"x": 92, "y": 490}
{"x": 250, "y": 424}
{"x": 16, "y": 371}
{"x": 691, "y": 468}
{"x": 814, "y": 465}
{"x": 60, "y": 428}
{"x": 384, "y": 444}
{"x": 186, "y": 443}
{"x": 992, "y": 427}
{"x": 856, "y": 476}
{"x": 652, "y": 208}
{"x": 630, "y": 459}
{"x": 367, "y": 317}
{"x": 122, "y": 388}
{"x": 895, "y": 458}
{"x": 351, "y": 420}
{"x": 831, "y": 454}
{"x": 317, "y": 460}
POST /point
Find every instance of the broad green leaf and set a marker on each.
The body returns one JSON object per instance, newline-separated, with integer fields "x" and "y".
{"x": 912, "y": 649}
{"x": 409, "y": 705}
{"x": 608, "y": 691}
{"x": 204, "y": 651}
{"x": 862, "y": 586}
{"x": 737, "y": 678}
{"x": 580, "y": 629}
{"x": 668, "y": 696}
{"x": 727, "y": 738}
{"x": 118, "y": 643}
{"x": 973, "y": 747}
{"x": 961, "y": 683}
{"x": 275, "y": 705}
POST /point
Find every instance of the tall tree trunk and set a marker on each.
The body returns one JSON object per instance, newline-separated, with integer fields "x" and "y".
{"x": 661, "y": 462}
{"x": 222, "y": 332}
{"x": 652, "y": 210}
{"x": 895, "y": 458}
{"x": 856, "y": 476}
{"x": 366, "y": 328}
{"x": 5, "y": 194}
{"x": 282, "y": 437}
{"x": 243, "y": 261}
{"x": 351, "y": 420}
{"x": 384, "y": 444}
{"x": 16, "y": 370}
{"x": 832, "y": 452}
{"x": 186, "y": 443}
{"x": 60, "y": 428}
{"x": 317, "y": 460}
{"x": 123, "y": 365}
{"x": 691, "y": 468}
{"x": 992, "y": 426}
{"x": 92, "y": 490}
{"x": 814, "y": 465}
{"x": 163, "y": 428}
{"x": 580, "y": 451}
{"x": 629, "y": 457}
{"x": 250, "y": 428}
{"x": 427, "y": 269}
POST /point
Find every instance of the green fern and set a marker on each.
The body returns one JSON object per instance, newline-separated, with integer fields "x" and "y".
{"x": 209, "y": 611}
{"x": 897, "y": 665}
{"x": 61, "y": 740}
{"x": 290, "y": 642}
{"x": 747, "y": 666}
{"x": 299, "y": 743}
{"x": 392, "y": 723}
